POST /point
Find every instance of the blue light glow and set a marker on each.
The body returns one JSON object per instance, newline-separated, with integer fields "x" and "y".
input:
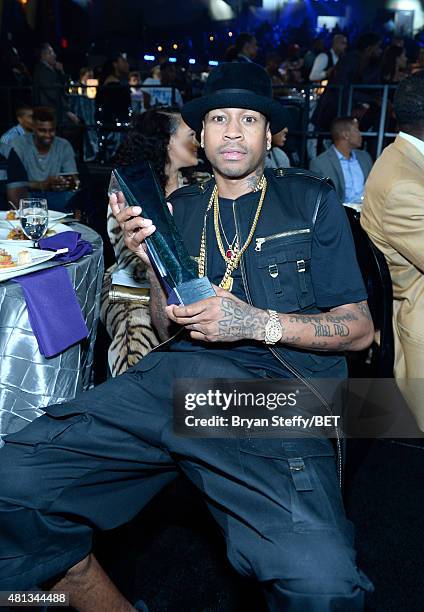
{"x": 213, "y": 63}
{"x": 191, "y": 61}
{"x": 172, "y": 60}
{"x": 149, "y": 58}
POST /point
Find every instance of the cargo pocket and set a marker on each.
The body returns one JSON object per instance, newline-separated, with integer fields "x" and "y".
{"x": 304, "y": 474}
{"x": 315, "y": 500}
{"x": 284, "y": 263}
{"x": 46, "y": 428}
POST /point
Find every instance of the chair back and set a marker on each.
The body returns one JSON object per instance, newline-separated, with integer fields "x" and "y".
{"x": 377, "y": 362}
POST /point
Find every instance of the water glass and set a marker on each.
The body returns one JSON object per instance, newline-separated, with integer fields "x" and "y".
{"x": 34, "y": 217}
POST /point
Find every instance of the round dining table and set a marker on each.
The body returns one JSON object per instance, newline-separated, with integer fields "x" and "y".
{"x": 28, "y": 380}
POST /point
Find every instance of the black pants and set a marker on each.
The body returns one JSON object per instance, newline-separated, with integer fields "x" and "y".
{"x": 97, "y": 460}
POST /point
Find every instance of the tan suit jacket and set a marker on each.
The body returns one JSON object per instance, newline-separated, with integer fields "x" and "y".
{"x": 393, "y": 217}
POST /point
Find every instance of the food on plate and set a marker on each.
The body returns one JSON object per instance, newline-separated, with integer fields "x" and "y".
{"x": 6, "y": 260}
{"x": 11, "y": 215}
{"x": 17, "y": 234}
{"x": 24, "y": 257}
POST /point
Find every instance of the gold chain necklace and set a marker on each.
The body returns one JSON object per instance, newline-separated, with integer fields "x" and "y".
{"x": 237, "y": 253}
{"x": 230, "y": 245}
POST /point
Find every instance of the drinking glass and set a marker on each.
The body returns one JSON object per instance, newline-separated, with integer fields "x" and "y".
{"x": 34, "y": 217}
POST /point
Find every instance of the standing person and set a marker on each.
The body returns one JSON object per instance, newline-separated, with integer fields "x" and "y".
{"x": 318, "y": 46}
{"x": 392, "y": 215}
{"x": 49, "y": 82}
{"x": 246, "y": 48}
{"x": 24, "y": 125}
{"x": 394, "y": 65}
{"x": 360, "y": 65}
{"x": 326, "y": 61}
{"x": 273, "y": 68}
{"x": 113, "y": 105}
{"x": 162, "y": 137}
{"x": 344, "y": 162}
{"x": 277, "y": 501}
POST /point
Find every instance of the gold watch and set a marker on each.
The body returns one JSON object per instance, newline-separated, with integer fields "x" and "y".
{"x": 273, "y": 329}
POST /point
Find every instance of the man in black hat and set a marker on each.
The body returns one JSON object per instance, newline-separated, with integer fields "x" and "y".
{"x": 289, "y": 298}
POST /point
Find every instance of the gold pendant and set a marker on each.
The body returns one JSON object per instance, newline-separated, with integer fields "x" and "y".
{"x": 228, "y": 284}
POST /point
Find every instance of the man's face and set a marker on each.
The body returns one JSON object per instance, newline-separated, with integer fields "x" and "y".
{"x": 355, "y": 136}
{"x": 340, "y": 45}
{"x": 122, "y": 65}
{"x": 375, "y": 51}
{"x": 49, "y": 56}
{"x": 251, "y": 48}
{"x": 25, "y": 120}
{"x": 44, "y": 133}
{"x": 235, "y": 140}
{"x": 135, "y": 80}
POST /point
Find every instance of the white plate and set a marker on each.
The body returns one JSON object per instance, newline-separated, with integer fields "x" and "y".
{"x": 13, "y": 248}
{"x": 5, "y": 229}
{"x": 54, "y": 216}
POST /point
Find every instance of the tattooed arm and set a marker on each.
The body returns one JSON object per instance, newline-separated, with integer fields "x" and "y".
{"x": 345, "y": 328}
{"x": 225, "y": 318}
{"x": 157, "y": 306}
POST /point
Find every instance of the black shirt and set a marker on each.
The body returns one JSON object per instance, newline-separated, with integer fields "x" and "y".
{"x": 335, "y": 277}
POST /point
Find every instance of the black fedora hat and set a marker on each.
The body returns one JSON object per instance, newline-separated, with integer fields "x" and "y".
{"x": 236, "y": 85}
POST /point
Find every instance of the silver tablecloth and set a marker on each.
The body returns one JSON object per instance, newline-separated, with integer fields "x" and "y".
{"x": 29, "y": 381}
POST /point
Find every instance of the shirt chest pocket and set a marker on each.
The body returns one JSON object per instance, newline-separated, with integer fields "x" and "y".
{"x": 284, "y": 263}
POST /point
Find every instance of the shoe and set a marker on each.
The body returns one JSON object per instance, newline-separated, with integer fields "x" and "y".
{"x": 141, "y": 606}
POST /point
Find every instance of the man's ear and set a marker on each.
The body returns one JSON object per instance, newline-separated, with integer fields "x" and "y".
{"x": 268, "y": 137}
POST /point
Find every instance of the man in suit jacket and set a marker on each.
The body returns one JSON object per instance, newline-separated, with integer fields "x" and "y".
{"x": 344, "y": 162}
{"x": 393, "y": 217}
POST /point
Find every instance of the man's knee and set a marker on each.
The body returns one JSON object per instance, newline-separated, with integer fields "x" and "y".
{"x": 302, "y": 563}
{"x": 308, "y": 596}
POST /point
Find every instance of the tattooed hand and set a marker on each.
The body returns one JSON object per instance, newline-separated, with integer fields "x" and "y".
{"x": 223, "y": 318}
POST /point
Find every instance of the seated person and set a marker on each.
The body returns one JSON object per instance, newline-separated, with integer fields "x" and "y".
{"x": 276, "y": 158}
{"x": 24, "y": 125}
{"x": 49, "y": 161}
{"x": 344, "y": 163}
{"x": 13, "y": 178}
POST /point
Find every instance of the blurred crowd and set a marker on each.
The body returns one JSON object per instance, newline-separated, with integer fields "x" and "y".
{"x": 93, "y": 106}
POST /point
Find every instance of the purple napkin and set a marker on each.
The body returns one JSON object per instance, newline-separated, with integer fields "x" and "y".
{"x": 53, "y": 310}
{"x": 71, "y": 240}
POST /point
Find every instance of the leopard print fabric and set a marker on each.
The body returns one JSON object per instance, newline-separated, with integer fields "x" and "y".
{"x": 127, "y": 323}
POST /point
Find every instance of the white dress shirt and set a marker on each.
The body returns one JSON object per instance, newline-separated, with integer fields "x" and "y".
{"x": 319, "y": 68}
{"x": 416, "y": 142}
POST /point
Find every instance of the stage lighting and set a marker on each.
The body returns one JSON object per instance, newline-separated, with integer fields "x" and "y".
{"x": 191, "y": 61}
{"x": 172, "y": 60}
{"x": 213, "y": 63}
{"x": 160, "y": 48}
{"x": 149, "y": 58}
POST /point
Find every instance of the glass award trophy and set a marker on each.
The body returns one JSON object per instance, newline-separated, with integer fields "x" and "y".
{"x": 173, "y": 265}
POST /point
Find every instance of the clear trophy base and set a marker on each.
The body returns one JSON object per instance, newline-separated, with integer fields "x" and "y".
{"x": 191, "y": 291}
